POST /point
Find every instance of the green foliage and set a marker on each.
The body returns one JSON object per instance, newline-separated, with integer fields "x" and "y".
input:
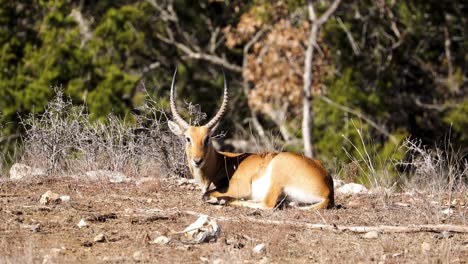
{"x": 458, "y": 119}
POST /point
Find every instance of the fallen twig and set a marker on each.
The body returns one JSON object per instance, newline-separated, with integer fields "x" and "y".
{"x": 355, "y": 229}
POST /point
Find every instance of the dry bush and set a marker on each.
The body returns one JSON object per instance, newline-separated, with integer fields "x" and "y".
{"x": 438, "y": 169}
{"x": 65, "y": 141}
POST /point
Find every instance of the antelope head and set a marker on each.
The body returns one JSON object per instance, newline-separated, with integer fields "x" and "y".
{"x": 201, "y": 156}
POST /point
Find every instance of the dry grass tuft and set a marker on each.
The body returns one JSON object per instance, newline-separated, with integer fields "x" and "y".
{"x": 438, "y": 169}
{"x": 64, "y": 140}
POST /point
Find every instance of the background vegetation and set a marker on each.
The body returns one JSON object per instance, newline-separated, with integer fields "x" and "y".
{"x": 383, "y": 71}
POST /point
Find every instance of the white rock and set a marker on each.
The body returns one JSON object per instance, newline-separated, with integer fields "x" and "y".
{"x": 351, "y": 188}
{"x": 371, "y": 235}
{"x": 202, "y": 230}
{"x": 65, "y": 198}
{"x": 425, "y": 247}
{"x": 447, "y": 211}
{"x": 338, "y": 183}
{"x": 138, "y": 255}
{"x": 19, "y": 171}
{"x": 144, "y": 180}
{"x": 100, "y": 238}
{"x": 49, "y": 198}
{"x": 161, "y": 240}
{"x": 260, "y": 248}
{"x": 218, "y": 261}
{"x": 82, "y": 223}
{"x": 112, "y": 176}
{"x": 57, "y": 251}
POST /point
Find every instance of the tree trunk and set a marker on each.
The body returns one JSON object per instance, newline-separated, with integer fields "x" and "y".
{"x": 307, "y": 111}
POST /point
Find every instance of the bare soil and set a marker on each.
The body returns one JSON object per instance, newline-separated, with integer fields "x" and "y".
{"x": 131, "y": 215}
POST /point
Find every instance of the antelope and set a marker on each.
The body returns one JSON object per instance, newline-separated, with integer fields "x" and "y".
{"x": 256, "y": 180}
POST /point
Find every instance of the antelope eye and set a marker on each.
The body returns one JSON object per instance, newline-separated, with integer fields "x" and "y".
{"x": 206, "y": 141}
{"x": 187, "y": 139}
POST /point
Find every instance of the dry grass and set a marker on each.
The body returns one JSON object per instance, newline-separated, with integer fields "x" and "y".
{"x": 64, "y": 140}
{"x": 438, "y": 169}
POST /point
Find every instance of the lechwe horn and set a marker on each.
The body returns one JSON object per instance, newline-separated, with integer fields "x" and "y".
{"x": 213, "y": 122}
{"x": 177, "y": 118}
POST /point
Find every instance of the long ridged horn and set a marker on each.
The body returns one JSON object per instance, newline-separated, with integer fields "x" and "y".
{"x": 177, "y": 118}
{"x": 213, "y": 122}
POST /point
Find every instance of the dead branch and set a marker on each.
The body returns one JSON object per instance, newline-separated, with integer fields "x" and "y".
{"x": 323, "y": 18}
{"x": 364, "y": 229}
{"x": 354, "y": 229}
{"x": 199, "y": 55}
{"x": 354, "y": 46}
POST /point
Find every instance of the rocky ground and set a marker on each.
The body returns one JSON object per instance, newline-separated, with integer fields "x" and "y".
{"x": 141, "y": 221}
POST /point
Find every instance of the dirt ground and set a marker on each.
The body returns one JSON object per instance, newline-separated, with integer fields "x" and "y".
{"x": 131, "y": 215}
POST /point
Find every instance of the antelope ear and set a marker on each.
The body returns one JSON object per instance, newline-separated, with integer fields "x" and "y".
{"x": 175, "y": 128}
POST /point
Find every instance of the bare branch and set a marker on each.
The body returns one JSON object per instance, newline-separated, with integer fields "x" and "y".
{"x": 324, "y": 17}
{"x": 354, "y": 229}
{"x": 201, "y": 56}
{"x": 355, "y": 47}
{"x": 448, "y": 55}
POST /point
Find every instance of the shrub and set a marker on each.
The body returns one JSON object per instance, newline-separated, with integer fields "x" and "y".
{"x": 65, "y": 141}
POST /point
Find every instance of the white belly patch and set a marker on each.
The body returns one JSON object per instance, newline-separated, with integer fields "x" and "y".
{"x": 300, "y": 196}
{"x": 261, "y": 185}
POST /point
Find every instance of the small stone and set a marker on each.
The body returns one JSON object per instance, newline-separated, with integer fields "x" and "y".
{"x": 402, "y": 204}
{"x": 100, "y": 238}
{"x": 354, "y": 204}
{"x": 371, "y": 235}
{"x": 352, "y": 188}
{"x": 47, "y": 259}
{"x": 57, "y": 251}
{"x": 87, "y": 244}
{"x": 33, "y": 227}
{"x": 161, "y": 240}
{"x": 65, "y": 198}
{"x": 425, "y": 247}
{"x": 149, "y": 200}
{"x": 19, "y": 171}
{"x": 82, "y": 223}
{"x": 260, "y": 248}
{"x": 138, "y": 255}
{"x": 447, "y": 211}
{"x": 443, "y": 235}
{"x": 204, "y": 259}
{"x": 338, "y": 183}
{"x": 111, "y": 176}
{"x": 218, "y": 261}
{"x": 49, "y": 198}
